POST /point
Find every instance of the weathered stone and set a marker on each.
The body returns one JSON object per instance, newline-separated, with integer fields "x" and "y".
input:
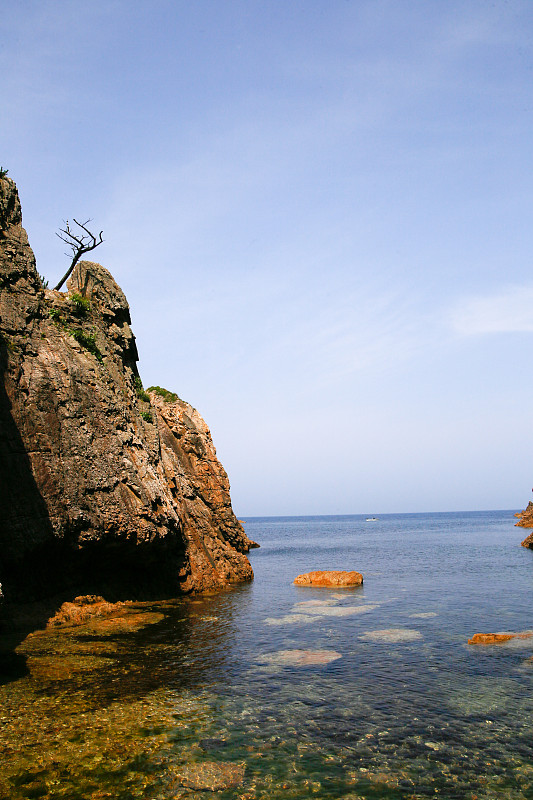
{"x": 528, "y": 541}
{"x": 103, "y": 489}
{"x": 526, "y": 521}
{"x": 334, "y": 579}
{"x": 498, "y": 638}
{"x": 82, "y": 609}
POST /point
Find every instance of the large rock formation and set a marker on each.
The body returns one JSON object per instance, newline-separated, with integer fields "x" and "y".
{"x": 526, "y": 521}
{"x": 103, "y": 487}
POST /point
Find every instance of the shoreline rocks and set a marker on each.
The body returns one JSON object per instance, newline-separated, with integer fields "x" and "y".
{"x": 332, "y": 579}
{"x": 525, "y": 520}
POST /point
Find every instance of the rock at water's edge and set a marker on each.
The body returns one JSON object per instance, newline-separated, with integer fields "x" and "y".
{"x": 498, "y": 638}
{"x": 526, "y": 521}
{"x": 334, "y": 579}
{"x": 104, "y": 488}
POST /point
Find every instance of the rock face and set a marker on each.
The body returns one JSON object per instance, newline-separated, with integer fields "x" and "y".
{"x": 103, "y": 487}
{"x": 335, "y": 579}
{"x": 526, "y": 521}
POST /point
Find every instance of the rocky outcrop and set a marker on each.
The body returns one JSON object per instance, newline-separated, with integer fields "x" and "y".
{"x": 103, "y": 487}
{"x": 498, "y": 638}
{"x": 526, "y": 521}
{"x": 334, "y": 579}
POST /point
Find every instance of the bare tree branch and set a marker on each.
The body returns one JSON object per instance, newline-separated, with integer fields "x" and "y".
{"x": 80, "y": 243}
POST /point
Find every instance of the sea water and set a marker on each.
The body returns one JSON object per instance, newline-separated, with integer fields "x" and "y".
{"x": 276, "y": 691}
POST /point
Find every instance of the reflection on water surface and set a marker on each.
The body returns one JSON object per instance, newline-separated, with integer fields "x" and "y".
{"x": 370, "y": 693}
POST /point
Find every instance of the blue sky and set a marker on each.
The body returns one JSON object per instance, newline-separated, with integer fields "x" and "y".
{"x": 320, "y": 212}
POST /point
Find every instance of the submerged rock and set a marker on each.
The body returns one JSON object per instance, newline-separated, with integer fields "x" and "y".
{"x": 300, "y": 658}
{"x": 392, "y": 635}
{"x": 211, "y": 776}
{"x": 335, "y": 579}
{"x": 104, "y": 488}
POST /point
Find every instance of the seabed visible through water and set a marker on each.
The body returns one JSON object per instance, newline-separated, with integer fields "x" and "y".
{"x": 270, "y": 691}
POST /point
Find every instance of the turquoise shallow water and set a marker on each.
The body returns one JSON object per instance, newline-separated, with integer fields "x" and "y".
{"x": 364, "y": 693}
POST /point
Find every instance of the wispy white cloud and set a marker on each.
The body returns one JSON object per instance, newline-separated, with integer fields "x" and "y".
{"x": 509, "y": 311}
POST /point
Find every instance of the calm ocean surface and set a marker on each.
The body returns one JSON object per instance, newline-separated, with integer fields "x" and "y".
{"x": 364, "y": 693}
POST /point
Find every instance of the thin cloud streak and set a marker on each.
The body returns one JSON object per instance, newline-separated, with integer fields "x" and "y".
{"x": 509, "y": 311}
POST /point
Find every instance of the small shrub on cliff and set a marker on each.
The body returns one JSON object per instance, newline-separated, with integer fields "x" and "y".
{"x": 55, "y": 315}
{"x": 169, "y": 397}
{"x": 147, "y": 416}
{"x": 44, "y": 282}
{"x": 88, "y": 341}
{"x": 3, "y": 172}
{"x": 139, "y": 390}
{"x": 80, "y": 305}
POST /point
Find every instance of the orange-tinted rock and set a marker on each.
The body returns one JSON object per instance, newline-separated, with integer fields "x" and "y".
{"x": 334, "y": 579}
{"x": 528, "y": 541}
{"x": 498, "y": 638}
{"x": 526, "y": 521}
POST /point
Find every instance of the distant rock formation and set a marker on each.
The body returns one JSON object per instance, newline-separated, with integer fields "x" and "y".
{"x": 104, "y": 488}
{"x": 526, "y": 521}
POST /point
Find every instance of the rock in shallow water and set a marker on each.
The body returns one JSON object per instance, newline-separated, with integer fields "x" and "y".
{"x": 498, "y": 638}
{"x": 335, "y": 579}
{"x": 211, "y": 776}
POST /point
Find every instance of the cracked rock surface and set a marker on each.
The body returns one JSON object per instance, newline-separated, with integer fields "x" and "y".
{"x": 103, "y": 488}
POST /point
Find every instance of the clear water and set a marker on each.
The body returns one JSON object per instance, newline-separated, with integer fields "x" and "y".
{"x": 274, "y": 691}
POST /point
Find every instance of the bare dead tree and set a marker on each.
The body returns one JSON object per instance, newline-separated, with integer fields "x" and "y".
{"x": 83, "y": 243}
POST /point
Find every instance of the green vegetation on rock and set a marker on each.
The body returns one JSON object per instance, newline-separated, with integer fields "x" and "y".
{"x": 139, "y": 390}
{"x": 168, "y": 397}
{"x": 80, "y": 305}
{"x": 88, "y": 341}
{"x": 56, "y": 316}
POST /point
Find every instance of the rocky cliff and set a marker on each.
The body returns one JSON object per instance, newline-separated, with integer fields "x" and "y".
{"x": 526, "y": 521}
{"x": 103, "y": 487}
